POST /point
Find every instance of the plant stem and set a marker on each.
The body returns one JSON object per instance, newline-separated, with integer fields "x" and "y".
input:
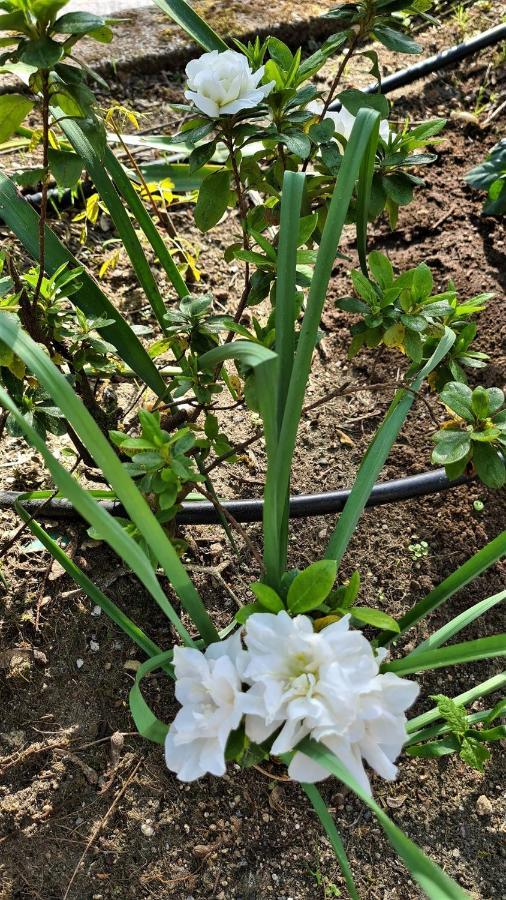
{"x": 243, "y": 212}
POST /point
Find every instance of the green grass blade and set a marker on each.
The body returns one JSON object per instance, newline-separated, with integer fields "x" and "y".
{"x": 378, "y": 451}
{"x": 24, "y": 222}
{"x": 90, "y": 510}
{"x": 436, "y": 884}
{"x": 364, "y": 197}
{"x": 291, "y": 200}
{"x": 136, "y": 634}
{"x": 147, "y": 724}
{"x": 470, "y": 570}
{"x": 145, "y": 222}
{"x": 444, "y": 634}
{"x": 496, "y": 683}
{"x": 95, "y": 166}
{"x": 333, "y": 835}
{"x": 187, "y": 19}
{"x": 453, "y": 655}
{"x": 137, "y": 509}
{"x": 276, "y": 491}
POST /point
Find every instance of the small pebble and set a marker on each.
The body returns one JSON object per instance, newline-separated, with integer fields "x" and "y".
{"x": 484, "y": 806}
{"x": 94, "y": 646}
{"x": 96, "y": 611}
{"x": 79, "y": 663}
{"x": 147, "y": 829}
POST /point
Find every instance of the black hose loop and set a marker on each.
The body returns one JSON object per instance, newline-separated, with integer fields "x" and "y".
{"x": 301, "y": 506}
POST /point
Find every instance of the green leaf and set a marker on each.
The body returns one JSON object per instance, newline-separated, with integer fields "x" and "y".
{"x": 187, "y": 19}
{"x": 374, "y": 617}
{"x": 474, "y": 753}
{"x": 453, "y": 655}
{"x": 213, "y": 199}
{"x": 278, "y": 476}
{"x": 84, "y": 143}
{"x": 65, "y": 166}
{"x": 147, "y": 724}
{"x": 333, "y": 835}
{"x": 444, "y": 634}
{"x": 422, "y": 282}
{"x": 395, "y": 40}
{"x": 381, "y": 268}
{"x": 145, "y": 222}
{"x": 458, "y": 397}
{"x": 311, "y": 586}
{"x": 452, "y": 713}
{"x": 297, "y": 143}
{"x": 13, "y": 109}
{"x": 480, "y": 403}
{"x": 126, "y": 624}
{"x": 451, "y": 446}
{"x": 354, "y": 100}
{"x": 436, "y": 884}
{"x": 266, "y": 597}
{"x": 496, "y": 683}
{"x": 351, "y": 590}
{"x": 43, "y": 53}
{"x": 24, "y": 222}
{"x": 77, "y": 23}
{"x": 135, "y": 505}
{"x": 243, "y": 614}
{"x": 489, "y": 465}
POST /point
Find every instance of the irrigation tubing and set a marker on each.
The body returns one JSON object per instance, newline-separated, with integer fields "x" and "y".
{"x": 390, "y": 83}
{"x": 301, "y": 505}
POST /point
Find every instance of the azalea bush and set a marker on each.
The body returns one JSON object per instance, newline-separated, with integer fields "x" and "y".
{"x": 293, "y": 677}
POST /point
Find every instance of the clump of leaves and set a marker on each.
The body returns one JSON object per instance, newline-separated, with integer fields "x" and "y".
{"x": 311, "y": 591}
{"x": 459, "y": 734}
{"x": 490, "y": 176}
{"x": 476, "y": 433}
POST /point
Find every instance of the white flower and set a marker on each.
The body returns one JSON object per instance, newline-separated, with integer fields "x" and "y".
{"x": 344, "y": 121}
{"x": 326, "y": 685}
{"x": 208, "y": 685}
{"x": 222, "y": 84}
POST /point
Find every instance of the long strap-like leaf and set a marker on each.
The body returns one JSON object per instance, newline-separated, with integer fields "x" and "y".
{"x": 104, "y": 523}
{"x": 452, "y": 655}
{"x": 187, "y": 19}
{"x": 276, "y": 492}
{"x": 138, "y": 510}
{"x": 333, "y": 835}
{"x": 145, "y": 222}
{"x": 436, "y": 884}
{"x": 95, "y": 166}
{"x": 24, "y": 222}
{"x": 110, "y": 608}
{"x": 444, "y": 634}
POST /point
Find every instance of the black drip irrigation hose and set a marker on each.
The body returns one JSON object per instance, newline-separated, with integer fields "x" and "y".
{"x": 301, "y": 506}
{"x": 390, "y": 83}
{"x": 439, "y": 61}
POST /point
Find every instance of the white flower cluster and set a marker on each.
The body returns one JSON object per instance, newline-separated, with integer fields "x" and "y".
{"x": 293, "y": 681}
{"x": 223, "y": 84}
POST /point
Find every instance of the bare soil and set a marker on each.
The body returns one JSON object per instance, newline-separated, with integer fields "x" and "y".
{"x": 68, "y": 791}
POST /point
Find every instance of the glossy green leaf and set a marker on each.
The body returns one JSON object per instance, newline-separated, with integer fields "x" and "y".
{"x": 213, "y": 199}
{"x": 13, "y": 109}
{"x": 311, "y": 587}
